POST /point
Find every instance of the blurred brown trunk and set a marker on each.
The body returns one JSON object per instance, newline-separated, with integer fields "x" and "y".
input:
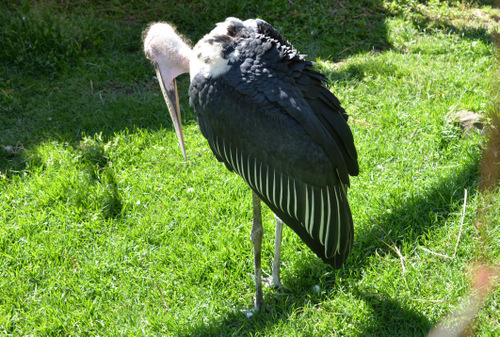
{"x": 489, "y": 172}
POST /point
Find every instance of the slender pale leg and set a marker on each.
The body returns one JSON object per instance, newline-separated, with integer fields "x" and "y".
{"x": 256, "y": 236}
{"x": 277, "y": 253}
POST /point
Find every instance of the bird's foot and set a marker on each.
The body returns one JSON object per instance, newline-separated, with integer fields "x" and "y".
{"x": 271, "y": 282}
{"x": 250, "y": 312}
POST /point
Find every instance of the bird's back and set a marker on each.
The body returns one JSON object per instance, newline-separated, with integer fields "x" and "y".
{"x": 267, "y": 116}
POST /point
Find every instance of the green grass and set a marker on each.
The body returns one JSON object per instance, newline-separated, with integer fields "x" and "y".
{"x": 105, "y": 230}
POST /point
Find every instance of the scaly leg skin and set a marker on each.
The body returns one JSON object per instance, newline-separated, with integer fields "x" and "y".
{"x": 277, "y": 252}
{"x": 256, "y": 236}
{"x": 274, "y": 281}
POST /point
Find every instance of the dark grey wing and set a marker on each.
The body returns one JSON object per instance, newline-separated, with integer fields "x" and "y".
{"x": 259, "y": 122}
{"x": 273, "y": 67}
{"x": 331, "y": 115}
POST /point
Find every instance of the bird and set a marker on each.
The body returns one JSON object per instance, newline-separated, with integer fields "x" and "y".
{"x": 268, "y": 116}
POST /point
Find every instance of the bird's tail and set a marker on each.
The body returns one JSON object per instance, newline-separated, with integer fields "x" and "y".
{"x": 319, "y": 215}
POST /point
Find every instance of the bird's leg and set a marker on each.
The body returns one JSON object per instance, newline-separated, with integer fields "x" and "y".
{"x": 277, "y": 253}
{"x": 274, "y": 280}
{"x": 256, "y": 236}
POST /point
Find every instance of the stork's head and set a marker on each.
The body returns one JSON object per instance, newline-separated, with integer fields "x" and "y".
{"x": 170, "y": 56}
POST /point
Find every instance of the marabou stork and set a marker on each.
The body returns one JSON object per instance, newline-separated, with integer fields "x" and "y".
{"x": 268, "y": 116}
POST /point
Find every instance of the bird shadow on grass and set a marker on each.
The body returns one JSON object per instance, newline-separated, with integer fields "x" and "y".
{"x": 407, "y": 222}
{"x": 391, "y": 317}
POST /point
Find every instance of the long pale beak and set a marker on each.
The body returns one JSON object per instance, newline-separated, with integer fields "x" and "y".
{"x": 168, "y": 85}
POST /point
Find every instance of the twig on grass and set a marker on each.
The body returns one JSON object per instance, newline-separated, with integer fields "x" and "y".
{"x": 459, "y": 234}
{"x": 343, "y": 51}
{"x": 74, "y": 262}
{"x": 444, "y": 256}
{"x": 462, "y": 223}
{"x": 161, "y": 294}
{"x": 437, "y": 254}
{"x": 395, "y": 249}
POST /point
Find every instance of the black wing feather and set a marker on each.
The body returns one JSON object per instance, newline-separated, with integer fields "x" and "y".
{"x": 271, "y": 120}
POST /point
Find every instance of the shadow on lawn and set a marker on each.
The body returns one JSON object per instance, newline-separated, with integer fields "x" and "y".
{"x": 98, "y": 81}
{"x": 390, "y": 317}
{"x": 70, "y": 73}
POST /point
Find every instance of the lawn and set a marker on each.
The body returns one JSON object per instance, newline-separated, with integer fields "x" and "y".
{"x": 106, "y": 230}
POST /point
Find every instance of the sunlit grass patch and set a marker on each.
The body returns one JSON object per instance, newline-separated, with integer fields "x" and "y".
{"x": 106, "y": 230}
